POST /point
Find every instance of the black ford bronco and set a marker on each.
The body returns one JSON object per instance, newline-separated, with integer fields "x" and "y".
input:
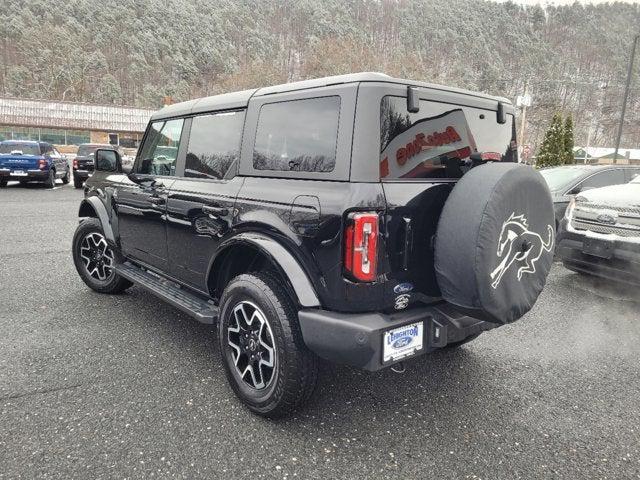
{"x": 361, "y": 219}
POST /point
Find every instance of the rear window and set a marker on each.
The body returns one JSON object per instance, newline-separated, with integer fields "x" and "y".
{"x": 437, "y": 141}
{"x": 23, "y": 148}
{"x": 298, "y": 135}
{"x": 86, "y": 150}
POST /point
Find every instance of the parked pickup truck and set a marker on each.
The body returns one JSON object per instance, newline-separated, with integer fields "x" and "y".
{"x": 600, "y": 233}
{"x": 28, "y": 161}
{"x": 362, "y": 219}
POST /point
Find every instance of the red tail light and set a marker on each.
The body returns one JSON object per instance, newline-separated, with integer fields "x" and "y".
{"x": 75, "y": 163}
{"x": 361, "y": 246}
{"x": 42, "y": 164}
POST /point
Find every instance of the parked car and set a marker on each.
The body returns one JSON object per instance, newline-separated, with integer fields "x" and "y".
{"x": 362, "y": 219}
{"x": 567, "y": 181}
{"x": 600, "y": 234}
{"x": 28, "y": 161}
{"x": 83, "y": 164}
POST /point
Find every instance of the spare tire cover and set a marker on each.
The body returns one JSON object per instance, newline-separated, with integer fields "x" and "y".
{"x": 494, "y": 243}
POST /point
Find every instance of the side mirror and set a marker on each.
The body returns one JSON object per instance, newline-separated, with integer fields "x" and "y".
{"x": 108, "y": 160}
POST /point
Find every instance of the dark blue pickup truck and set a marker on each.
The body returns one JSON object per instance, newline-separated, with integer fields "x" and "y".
{"x": 29, "y": 161}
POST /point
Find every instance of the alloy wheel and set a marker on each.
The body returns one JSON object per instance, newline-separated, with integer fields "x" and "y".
{"x": 252, "y": 345}
{"x": 97, "y": 257}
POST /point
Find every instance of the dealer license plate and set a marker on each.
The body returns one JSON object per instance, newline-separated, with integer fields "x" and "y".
{"x": 597, "y": 247}
{"x": 19, "y": 173}
{"x": 402, "y": 342}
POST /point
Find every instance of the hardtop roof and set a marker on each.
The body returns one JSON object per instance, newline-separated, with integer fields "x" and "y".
{"x": 229, "y": 101}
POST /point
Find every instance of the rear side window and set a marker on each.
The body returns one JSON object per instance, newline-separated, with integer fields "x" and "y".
{"x": 298, "y": 135}
{"x": 214, "y": 145}
{"x": 437, "y": 141}
{"x": 160, "y": 148}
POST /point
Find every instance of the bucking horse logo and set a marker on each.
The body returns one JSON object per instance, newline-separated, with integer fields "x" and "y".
{"x": 519, "y": 244}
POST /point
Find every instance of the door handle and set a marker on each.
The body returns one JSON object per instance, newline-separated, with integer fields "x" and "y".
{"x": 215, "y": 211}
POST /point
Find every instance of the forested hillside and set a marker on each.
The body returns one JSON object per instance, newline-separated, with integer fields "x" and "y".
{"x": 137, "y": 51}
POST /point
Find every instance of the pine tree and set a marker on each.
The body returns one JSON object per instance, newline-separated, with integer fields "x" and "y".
{"x": 552, "y": 150}
{"x": 568, "y": 141}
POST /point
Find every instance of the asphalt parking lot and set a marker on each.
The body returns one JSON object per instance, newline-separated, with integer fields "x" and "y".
{"x": 95, "y": 386}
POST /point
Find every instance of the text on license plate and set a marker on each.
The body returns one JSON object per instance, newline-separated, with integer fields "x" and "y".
{"x": 19, "y": 173}
{"x": 402, "y": 341}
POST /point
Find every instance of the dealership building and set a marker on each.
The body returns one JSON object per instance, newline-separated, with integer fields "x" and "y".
{"x": 71, "y": 123}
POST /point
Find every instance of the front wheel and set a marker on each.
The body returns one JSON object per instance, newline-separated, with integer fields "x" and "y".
{"x": 65, "y": 179}
{"x": 266, "y": 362}
{"x": 95, "y": 259}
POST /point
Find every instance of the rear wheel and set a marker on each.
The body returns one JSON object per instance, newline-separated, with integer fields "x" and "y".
{"x": 50, "y": 182}
{"x": 95, "y": 259}
{"x": 3, "y": 182}
{"x": 77, "y": 182}
{"x": 66, "y": 177}
{"x": 267, "y": 364}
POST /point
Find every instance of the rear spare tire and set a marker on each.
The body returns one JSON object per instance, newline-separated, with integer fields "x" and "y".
{"x": 494, "y": 243}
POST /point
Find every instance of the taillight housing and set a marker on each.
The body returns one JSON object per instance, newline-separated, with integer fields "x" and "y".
{"x": 42, "y": 164}
{"x": 361, "y": 246}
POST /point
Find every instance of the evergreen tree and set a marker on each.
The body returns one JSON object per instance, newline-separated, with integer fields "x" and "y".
{"x": 552, "y": 151}
{"x": 568, "y": 141}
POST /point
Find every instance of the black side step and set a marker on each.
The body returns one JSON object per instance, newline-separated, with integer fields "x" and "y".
{"x": 202, "y": 310}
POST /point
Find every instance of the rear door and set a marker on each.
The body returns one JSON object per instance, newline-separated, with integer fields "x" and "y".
{"x": 142, "y": 204}
{"x": 201, "y": 200}
{"x": 422, "y": 154}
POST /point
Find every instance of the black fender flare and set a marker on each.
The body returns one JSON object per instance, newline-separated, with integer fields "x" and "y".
{"x": 101, "y": 213}
{"x": 280, "y": 257}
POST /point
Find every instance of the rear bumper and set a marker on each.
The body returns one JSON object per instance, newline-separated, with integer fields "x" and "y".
{"x": 623, "y": 266}
{"x": 357, "y": 339}
{"x": 83, "y": 174}
{"x": 33, "y": 174}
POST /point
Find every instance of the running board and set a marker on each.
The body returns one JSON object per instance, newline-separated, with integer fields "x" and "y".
{"x": 202, "y": 310}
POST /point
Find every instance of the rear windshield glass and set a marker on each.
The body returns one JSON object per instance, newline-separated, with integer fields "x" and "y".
{"x": 86, "y": 150}
{"x": 437, "y": 141}
{"x": 20, "y": 148}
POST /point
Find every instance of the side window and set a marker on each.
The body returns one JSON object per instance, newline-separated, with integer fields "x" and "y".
{"x": 632, "y": 173}
{"x": 160, "y": 150}
{"x": 214, "y": 145}
{"x": 603, "y": 179}
{"x": 298, "y": 135}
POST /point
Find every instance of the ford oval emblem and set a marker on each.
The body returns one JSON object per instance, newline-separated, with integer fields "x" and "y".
{"x": 403, "y": 288}
{"x": 402, "y": 342}
{"x": 607, "y": 218}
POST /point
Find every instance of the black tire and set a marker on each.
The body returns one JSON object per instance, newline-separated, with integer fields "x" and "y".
{"x": 23, "y": 182}
{"x": 294, "y": 376}
{"x": 50, "y": 182}
{"x": 113, "y": 283}
{"x": 67, "y": 177}
{"x": 3, "y": 182}
{"x": 77, "y": 182}
{"x": 493, "y": 254}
